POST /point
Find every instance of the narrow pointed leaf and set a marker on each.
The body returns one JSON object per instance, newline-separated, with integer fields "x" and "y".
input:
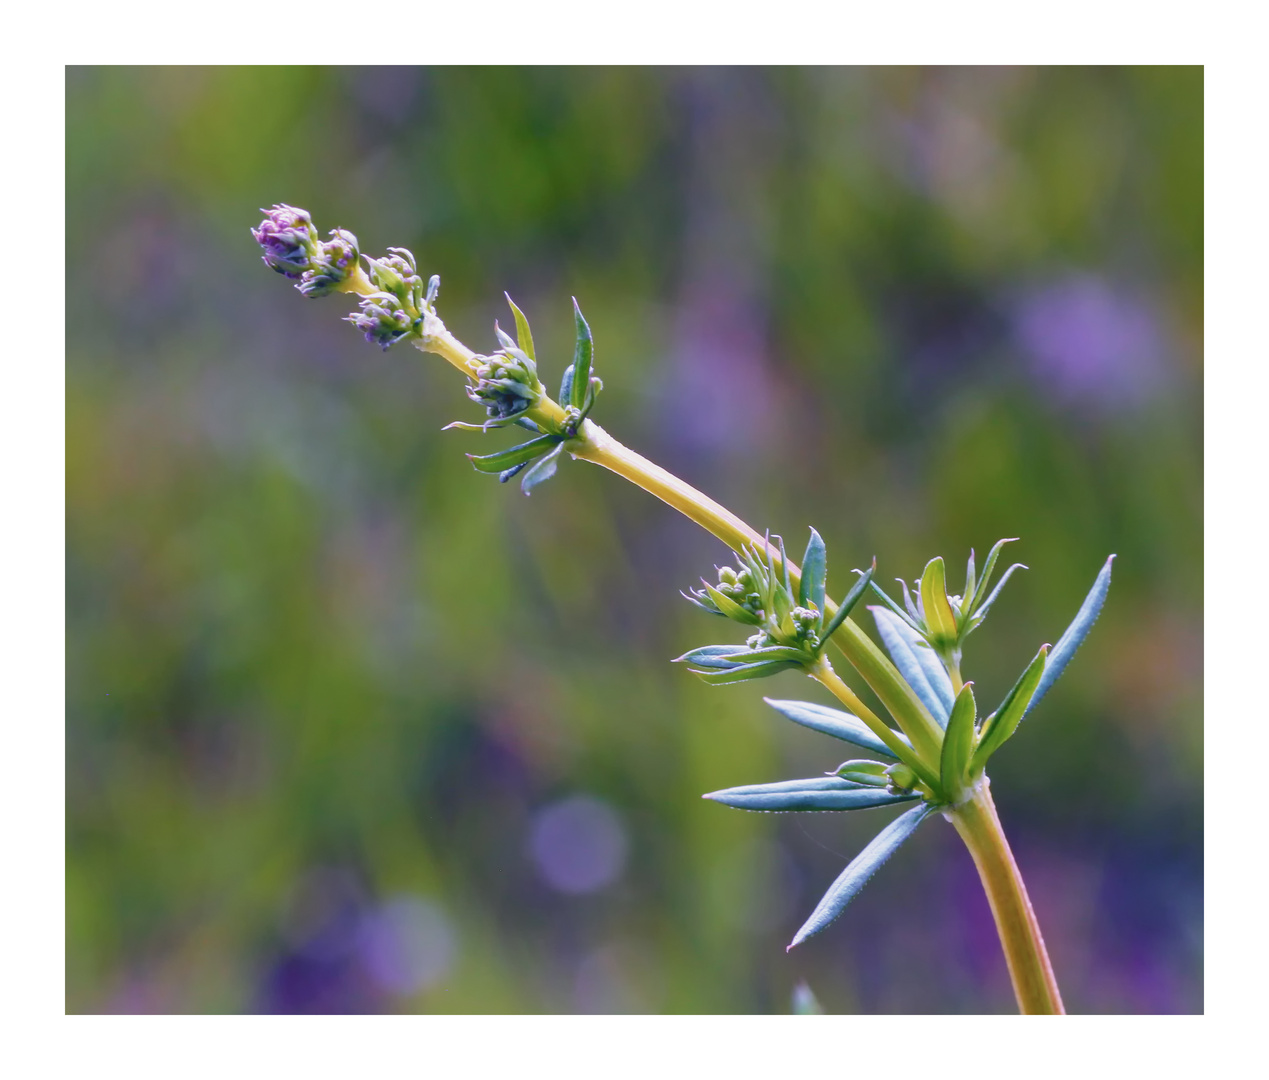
{"x": 988, "y": 567}
{"x": 917, "y": 663}
{"x": 939, "y": 616}
{"x": 566, "y": 385}
{"x": 848, "y": 604}
{"x": 905, "y": 616}
{"x": 711, "y": 656}
{"x": 582, "y": 353}
{"x": 814, "y": 573}
{"x": 1004, "y": 721}
{"x": 784, "y": 568}
{"x": 505, "y": 339}
{"x": 1075, "y": 634}
{"x": 981, "y": 612}
{"x": 542, "y": 469}
{"x": 815, "y": 793}
{"x": 508, "y": 474}
{"x": 971, "y": 582}
{"x": 701, "y": 604}
{"x": 517, "y": 455}
{"x": 745, "y": 672}
{"x": 523, "y": 334}
{"x": 834, "y": 722}
{"x": 730, "y": 608}
{"x": 856, "y": 875}
{"x": 958, "y": 743}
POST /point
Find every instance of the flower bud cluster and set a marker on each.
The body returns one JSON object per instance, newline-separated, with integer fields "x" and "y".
{"x": 738, "y": 585}
{"x": 506, "y": 383}
{"x": 292, "y": 248}
{"x": 382, "y": 319}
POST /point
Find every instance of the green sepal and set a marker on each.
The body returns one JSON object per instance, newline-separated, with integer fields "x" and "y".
{"x": 958, "y": 744}
{"x": 523, "y": 334}
{"x": 939, "y": 617}
{"x": 863, "y": 771}
{"x": 1001, "y": 724}
{"x": 543, "y": 469}
{"x": 582, "y": 353}
{"x": 814, "y": 573}
{"x": 852, "y": 598}
{"x": 745, "y": 672}
{"x": 493, "y": 463}
{"x": 729, "y": 607}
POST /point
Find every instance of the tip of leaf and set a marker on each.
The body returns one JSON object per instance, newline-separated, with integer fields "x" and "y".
{"x": 575, "y": 306}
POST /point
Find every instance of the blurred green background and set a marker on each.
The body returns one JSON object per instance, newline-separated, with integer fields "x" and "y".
{"x": 352, "y": 728}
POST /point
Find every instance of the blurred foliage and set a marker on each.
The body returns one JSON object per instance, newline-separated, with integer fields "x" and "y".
{"x": 332, "y": 695}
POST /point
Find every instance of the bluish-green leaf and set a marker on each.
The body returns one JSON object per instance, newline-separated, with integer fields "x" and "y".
{"x": 848, "y": 604}
{"x": 971, "y": 582}
{"x": 582, "y": 353}
{"x": 905, "y": 616}
{"x": 814, "y": 573}
{"x": 516, "y": 455}
{"x": 917, "y": 663}
{"x": 1004, "y": 721}
{"x": 542, "y": 469}
{"x": 523, "y": 334}
{"x": 816, "y": 793}
{"x": 701, "y": 604}
{"x": 745, "y": 672}
{"x": 1075, "y": 634}
{"x": 834, "y": 722}
{"x": 980, "y": 612}
{"x": 566, "y": 385}
{"x": 958, "y": 743}
{"x": 856, "y": 875}
{"x": 711, "y": 656}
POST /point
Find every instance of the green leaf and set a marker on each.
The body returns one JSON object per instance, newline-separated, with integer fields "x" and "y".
{"x": 543, "y": 469}
{"x": 729, "y": 607}
{"x": 745, "y": 672}
{"x": 701, "y": 604}
{"x": 958, "y": 744}
{"x": 566, "y": 385}
{"x": 523, "y": 334}
{"x": 852, "y": 598}
{"x": 862, "y": 771}
{"x": 582, "y": 353}
{"x": 1075, "y": 633}
{"x": 816, "y": 793}
{"x": 856, "y": 875}
{"x": 711, "y": 656}
{"x": 971, "y": 580}
{"x": 517, "y": 455}
{"x": 1001, "y": 724}
{"x": 939, "y": 617}
{"x": 814, "y": 573}
{"x": 905, "y": 616}
{"x": 980, "y": 613}
{"x": 988, "y": 567}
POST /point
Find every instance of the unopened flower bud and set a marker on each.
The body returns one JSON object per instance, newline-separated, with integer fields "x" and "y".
{"x": 381, "y": 319}
{"x": 289, "y": 240}
{"x": 335, "y": 262}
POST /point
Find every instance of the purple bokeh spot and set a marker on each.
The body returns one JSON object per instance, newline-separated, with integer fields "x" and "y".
{"x": 1088, "y": 341}
{"x": 578, "y": 845}
{"x": 407, "y": 945}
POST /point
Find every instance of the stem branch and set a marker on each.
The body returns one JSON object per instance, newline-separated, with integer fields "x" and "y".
{"x": 1033, "y": 982}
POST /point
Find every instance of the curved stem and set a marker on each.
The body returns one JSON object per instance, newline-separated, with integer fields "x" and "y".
{"x": 1033, "y": 982}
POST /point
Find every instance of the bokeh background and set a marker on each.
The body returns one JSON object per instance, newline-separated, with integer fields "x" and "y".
{"x": 352, "y": 728}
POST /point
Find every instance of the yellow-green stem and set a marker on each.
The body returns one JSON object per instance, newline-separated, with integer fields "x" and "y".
{"x": 823, "y": 673}
{"x": 1033, "y": 982}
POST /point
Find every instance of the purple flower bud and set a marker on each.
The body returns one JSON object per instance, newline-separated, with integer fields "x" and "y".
{"x": 289, "y": 239}
{"x": 381, "y": 319}
{"x": 336, "y": 259}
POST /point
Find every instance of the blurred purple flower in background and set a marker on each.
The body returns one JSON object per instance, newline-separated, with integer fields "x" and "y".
{"x": 578, "y": 845}
{"x": 407, "y": 945}
{"x": 1090, "y": 341}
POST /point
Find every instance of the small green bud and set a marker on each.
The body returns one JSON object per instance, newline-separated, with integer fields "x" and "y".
{"x": 902, "y": 778}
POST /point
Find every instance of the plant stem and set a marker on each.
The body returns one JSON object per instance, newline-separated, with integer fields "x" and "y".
{"x": 1033, "y": 983}
{"x": 824, "y": 674}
